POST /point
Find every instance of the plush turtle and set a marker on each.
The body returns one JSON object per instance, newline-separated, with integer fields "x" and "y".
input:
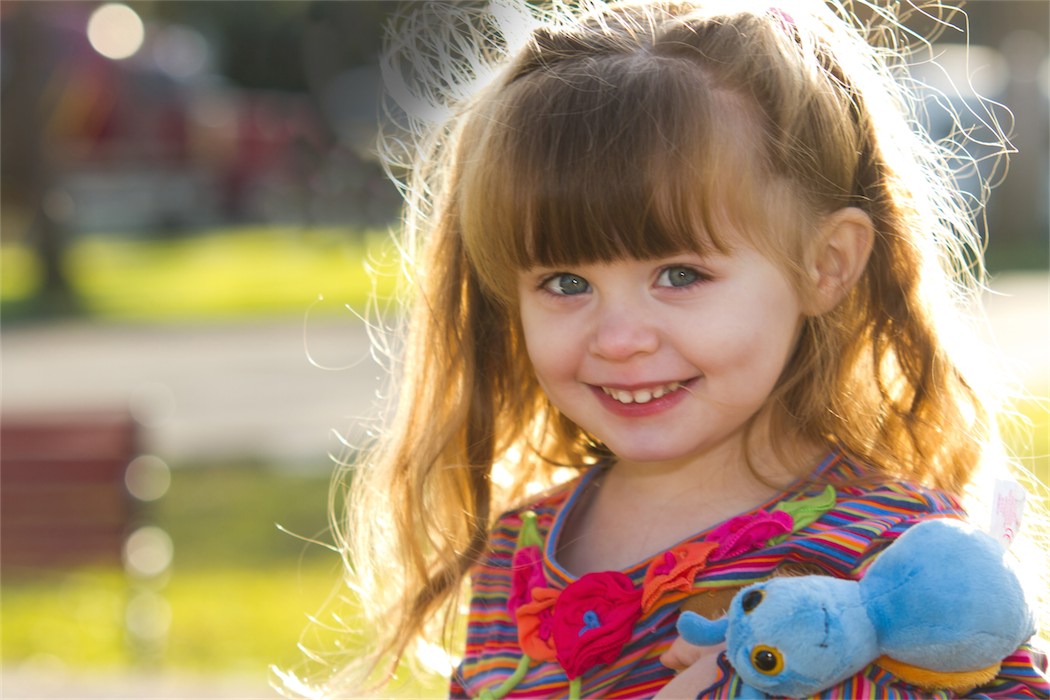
{"x": 940, "y": 608}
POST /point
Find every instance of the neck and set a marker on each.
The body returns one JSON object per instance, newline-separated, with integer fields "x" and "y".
{"x": 730, "y": 469}
{"x": 637, "y": 509}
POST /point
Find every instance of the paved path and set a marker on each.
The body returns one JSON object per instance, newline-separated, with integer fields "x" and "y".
{"x": 280, "y": 390}
{"x": 33, "y": 684}
{"x": 239, "y": 390}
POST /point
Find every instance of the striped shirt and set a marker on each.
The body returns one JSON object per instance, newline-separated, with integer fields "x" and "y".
{"x": 841, "y": 543}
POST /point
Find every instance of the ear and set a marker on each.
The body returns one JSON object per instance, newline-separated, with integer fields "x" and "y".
{"x": 837, "y": 258}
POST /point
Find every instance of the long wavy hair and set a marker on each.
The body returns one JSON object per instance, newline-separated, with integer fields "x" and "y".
{"x": 641, "y": 129}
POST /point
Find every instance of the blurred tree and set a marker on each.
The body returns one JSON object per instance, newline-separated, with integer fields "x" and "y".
{"x": 274, "y": 45}
{"x": 1019, "y": 211}
{"x": 326, "y": 51}
{"x": 28, "y": 96}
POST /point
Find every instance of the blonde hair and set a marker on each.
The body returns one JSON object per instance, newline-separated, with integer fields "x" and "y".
{"x": 614, "y": 132}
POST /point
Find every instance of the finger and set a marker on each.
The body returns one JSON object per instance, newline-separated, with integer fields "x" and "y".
{"x": 681, "y": 655}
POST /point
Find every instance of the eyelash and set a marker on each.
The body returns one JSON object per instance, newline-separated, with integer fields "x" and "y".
{"x": 544, "y": 284}
{"x": 700, "y": 277}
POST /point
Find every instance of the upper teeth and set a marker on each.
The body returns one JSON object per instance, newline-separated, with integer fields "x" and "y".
{"x": 641, "y": 395}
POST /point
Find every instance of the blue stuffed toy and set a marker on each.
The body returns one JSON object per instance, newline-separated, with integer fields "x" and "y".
{"x": 939, "y": 608}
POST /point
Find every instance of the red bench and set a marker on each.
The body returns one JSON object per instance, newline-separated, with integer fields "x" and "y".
{"x": 63, "y": 501}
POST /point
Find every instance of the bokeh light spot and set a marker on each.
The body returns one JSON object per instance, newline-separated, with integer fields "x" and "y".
{"x": 147, "y": 478}
{"x": 148, "y": 552}
{"x": 116, "y": 31}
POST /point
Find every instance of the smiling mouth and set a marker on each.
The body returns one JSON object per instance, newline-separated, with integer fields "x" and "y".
{"x": 641, "y": 396}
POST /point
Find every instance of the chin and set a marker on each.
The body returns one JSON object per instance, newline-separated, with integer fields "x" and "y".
{"x": 643, "y": 455}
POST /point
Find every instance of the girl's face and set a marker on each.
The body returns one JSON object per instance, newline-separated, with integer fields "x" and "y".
{"x": 662, "y": 360}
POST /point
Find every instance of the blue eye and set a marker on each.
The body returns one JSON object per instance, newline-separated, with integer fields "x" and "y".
{"x": 566, "y": 284}
{"x": 678, "y": 276}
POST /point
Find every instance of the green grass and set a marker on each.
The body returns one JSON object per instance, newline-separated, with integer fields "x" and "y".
{"x": 221, "y": 620}
{"x": 216, "y": 274}
{"x": 76, "y": 618}
{"x": 1028, "y": 434}
{"x": 228, "y": 516}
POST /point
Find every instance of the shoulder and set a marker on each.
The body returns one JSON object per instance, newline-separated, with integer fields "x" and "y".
{"x": 545, "y": 506}
{"x": 864, "y": 494}
{"x": 503, "y": 536}
{"x": 869, "y": 513}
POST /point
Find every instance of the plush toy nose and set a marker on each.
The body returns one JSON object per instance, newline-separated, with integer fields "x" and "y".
{"x": 697, "y": 629}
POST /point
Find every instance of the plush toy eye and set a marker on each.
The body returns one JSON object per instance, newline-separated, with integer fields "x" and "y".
{"x": 767, "y": 660}
{"x": 751, "y": 600}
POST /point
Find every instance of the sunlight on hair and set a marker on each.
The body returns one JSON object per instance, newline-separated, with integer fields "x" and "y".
{"x": 983, "y": 71}
{"x": 290, "y": 685}
{"x": 501, "y": 471}
{"x": 434, "y": 658}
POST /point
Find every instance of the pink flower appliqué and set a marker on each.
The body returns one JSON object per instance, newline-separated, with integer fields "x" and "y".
{"x": 748, "y": 532}
{"x": 527, "y": 567}
{"x": 674, "y": 573}
{"x": 593, "y": 619}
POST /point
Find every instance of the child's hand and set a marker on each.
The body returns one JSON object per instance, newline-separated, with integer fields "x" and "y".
{"x": 697, "y": 668}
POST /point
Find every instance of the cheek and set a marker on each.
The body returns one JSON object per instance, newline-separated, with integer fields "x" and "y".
{"x": 550, "y": 363}
{"x": 550, "y": 332}
{"x": 760, "y": 337}
{"x": 530, "y": 328}
{"x": 545, "y": 345}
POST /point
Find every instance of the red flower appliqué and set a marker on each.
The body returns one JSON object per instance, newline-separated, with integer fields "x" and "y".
{"x": 747, "y": 532}
{"x": 527, "y": 567}
{"x": 593, "y": 619}
{"x": 674, "y": 573}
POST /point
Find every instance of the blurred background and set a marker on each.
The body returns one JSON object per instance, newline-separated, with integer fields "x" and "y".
{"x": 190, "y": 202}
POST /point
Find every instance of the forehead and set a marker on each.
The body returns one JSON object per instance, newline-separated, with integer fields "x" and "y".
{"x": 601, "y": 160}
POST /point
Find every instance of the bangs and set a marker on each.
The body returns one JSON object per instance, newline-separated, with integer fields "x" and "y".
{"x": 604, "y": 159}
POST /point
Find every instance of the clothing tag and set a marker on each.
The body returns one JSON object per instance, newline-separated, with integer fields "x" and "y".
{"x": 1007, "y": 509}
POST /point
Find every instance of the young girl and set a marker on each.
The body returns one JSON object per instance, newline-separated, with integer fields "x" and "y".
{"x": 697, "y": 254}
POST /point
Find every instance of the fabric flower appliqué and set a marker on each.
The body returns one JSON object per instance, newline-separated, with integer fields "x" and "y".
{"x": 593, "y": 619}
{"x": 745, "y": 533}
{"x": 589, "y": 622}
{"x": 527, "y": 567}
{"x": 536, "y": 624}
{"x": 672, "y": 577}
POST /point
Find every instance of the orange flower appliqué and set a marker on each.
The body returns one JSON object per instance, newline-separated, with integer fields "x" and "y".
{"x": 535, "y": 621}
{"x": 674, "y": 574}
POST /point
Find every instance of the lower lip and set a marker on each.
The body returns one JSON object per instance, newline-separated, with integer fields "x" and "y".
{"x": 641, "y": 410}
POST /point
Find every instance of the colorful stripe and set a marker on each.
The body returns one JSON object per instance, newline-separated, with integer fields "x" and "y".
{"x": 841, "y": 543}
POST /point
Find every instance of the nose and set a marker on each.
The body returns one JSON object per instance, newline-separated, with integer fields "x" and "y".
{"x": 622, "y": 331}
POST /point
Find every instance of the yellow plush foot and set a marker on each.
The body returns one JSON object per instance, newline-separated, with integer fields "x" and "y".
{"x": 956, "y": 681}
